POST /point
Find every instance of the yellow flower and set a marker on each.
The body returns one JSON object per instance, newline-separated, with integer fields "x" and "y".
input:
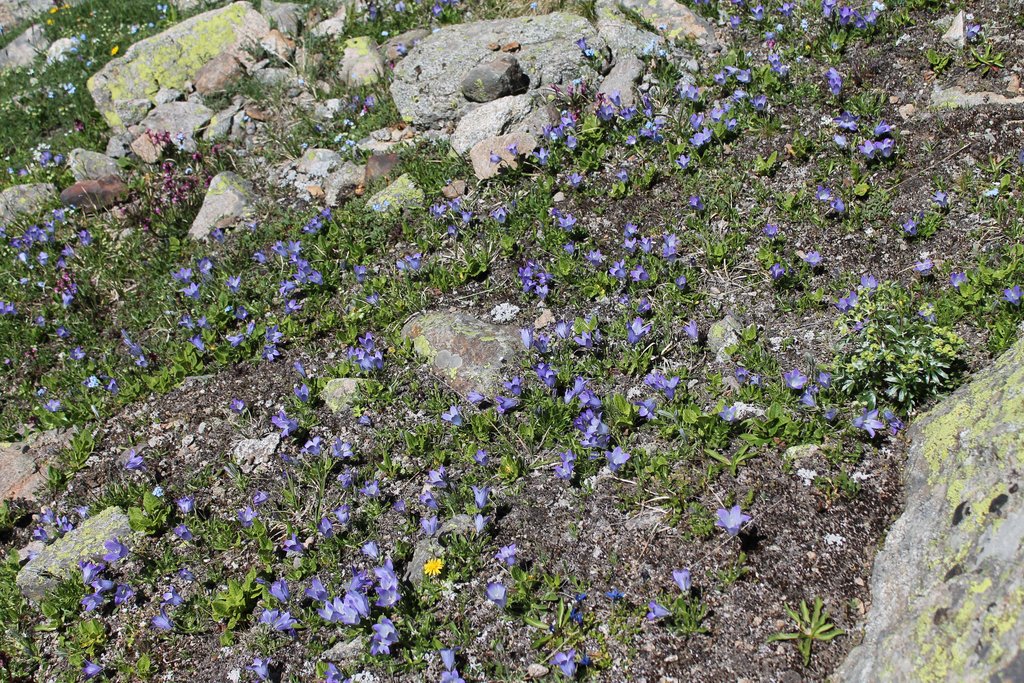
{"x": 53, "y": 10}
{"x": 113, "y": 50}
{"x": 433, "y": 566}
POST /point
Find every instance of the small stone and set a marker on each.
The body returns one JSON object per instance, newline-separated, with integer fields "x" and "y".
{"x": 424, "y": 551}
{"x": 95, "y": 195}
{"x": 255, "y": 454}
{"x": 803, "y": 452}
{"x": 906, "y": 111}
{"x": 334, "y": 26}
{"x": 87, "y": 165}
{"x": 456, "y": 188}
{"x": 401, "y": 194}
{"x": 118, "y": 146}
{"x": 318, "y": 163}
{"x": 345, "y": 651}
{"x": 59, "y": 560}
{"x": 339, "y": 393}
{"x": 512, "y": 47}
{"x": 23, "y": 464}
{"x": 723, "y": 334}
{"x": 498, "y": 78}
{"x": 502, "y": 146}
{"x": 955, "y": 34}
{"x": 545, "y": 318}
{"x": 536, "y": 670}
{"x": 228, "y": 200}
{"x": 361, "y": 63}
{"x": 380, "y": 166}
{"x": 220, "y": 125}
{"x": 60, "y": 50}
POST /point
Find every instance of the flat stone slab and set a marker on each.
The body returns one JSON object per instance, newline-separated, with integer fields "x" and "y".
{"x": 59, "y": 560}
{"x": 464, "y": 351}
{"x": 427, "y": 85}
{"x": 947, "y": 590}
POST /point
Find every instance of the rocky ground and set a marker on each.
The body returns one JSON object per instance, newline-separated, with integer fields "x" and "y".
{"x": 470, "y": 341}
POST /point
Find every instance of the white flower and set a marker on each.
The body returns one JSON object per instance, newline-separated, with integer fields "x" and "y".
{"x": 504, "y": 312}
{"x": 807, "y": 475}
{"x": 834, "y": 539}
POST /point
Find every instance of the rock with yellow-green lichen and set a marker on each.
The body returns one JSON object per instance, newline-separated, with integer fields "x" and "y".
{"x": 401, "y": 194}
{"x": 171, "y": 59}
{"x": 59, "y": 560}
{"x": 464, "y": 351}
{"x": 362, "y": 63}
{"x": 947, "y": 592}
{"x": 339, "y": 393}
{"x": 228, "y": 200}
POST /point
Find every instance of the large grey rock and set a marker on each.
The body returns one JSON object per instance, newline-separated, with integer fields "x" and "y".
{"x": 60, "y": 49}
{"x": 467, "y": 353}
{"x": 181, "y": 120}
{"x": 427, "y": 83}
{"x": 398, "y": 47}
{"x": 489, "y": 120}
{"x": 671, "y": 19}
{"x": 24, "y": 49}
{"x": 507, "y": 148}
{"x": 171, "y": 59}
{"x": 361, "y": 62}
{"x": 20, "y": 200}
{"x": 59, "y": 560}
{"x": 228, "y": 199}
{"x": 88, "y": 165}
{"x": 318, "y": 162}
{"x": 620, "y": 81}
{"x": 947, "y": 590}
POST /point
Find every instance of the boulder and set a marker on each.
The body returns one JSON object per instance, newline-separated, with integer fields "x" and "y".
{"x": 24, "y": 49}
{"x": 179, "y": 120}
{"x": 361, "y": 63}
{"x": 947, "y": 589}
{"x": 171, "y": 59}
{"x": 220, "y": 125}
{"x": 95, "y": 194}
{"x": 87, "y": 165}
{"x": 59, "y": 560}
{"x": 508, "y": 149}
{"x": 489, "y": 120}
{"x": 465, "y": 352}
{"x": 401, "y": 194}
{"x": 427, "y": 85}
{"x": 497, "y": 78}
{"x": 20, "y": 200}
{"x": 673, "y": 20}
{"x": 228, "y": 199}
{"x": 333, "y": 26}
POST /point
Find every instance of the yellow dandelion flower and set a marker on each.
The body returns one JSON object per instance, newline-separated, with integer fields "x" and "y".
{"x": 53, "y": 10}
{"x": 433, "y": 566}
{"x": 114, "y": 50}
